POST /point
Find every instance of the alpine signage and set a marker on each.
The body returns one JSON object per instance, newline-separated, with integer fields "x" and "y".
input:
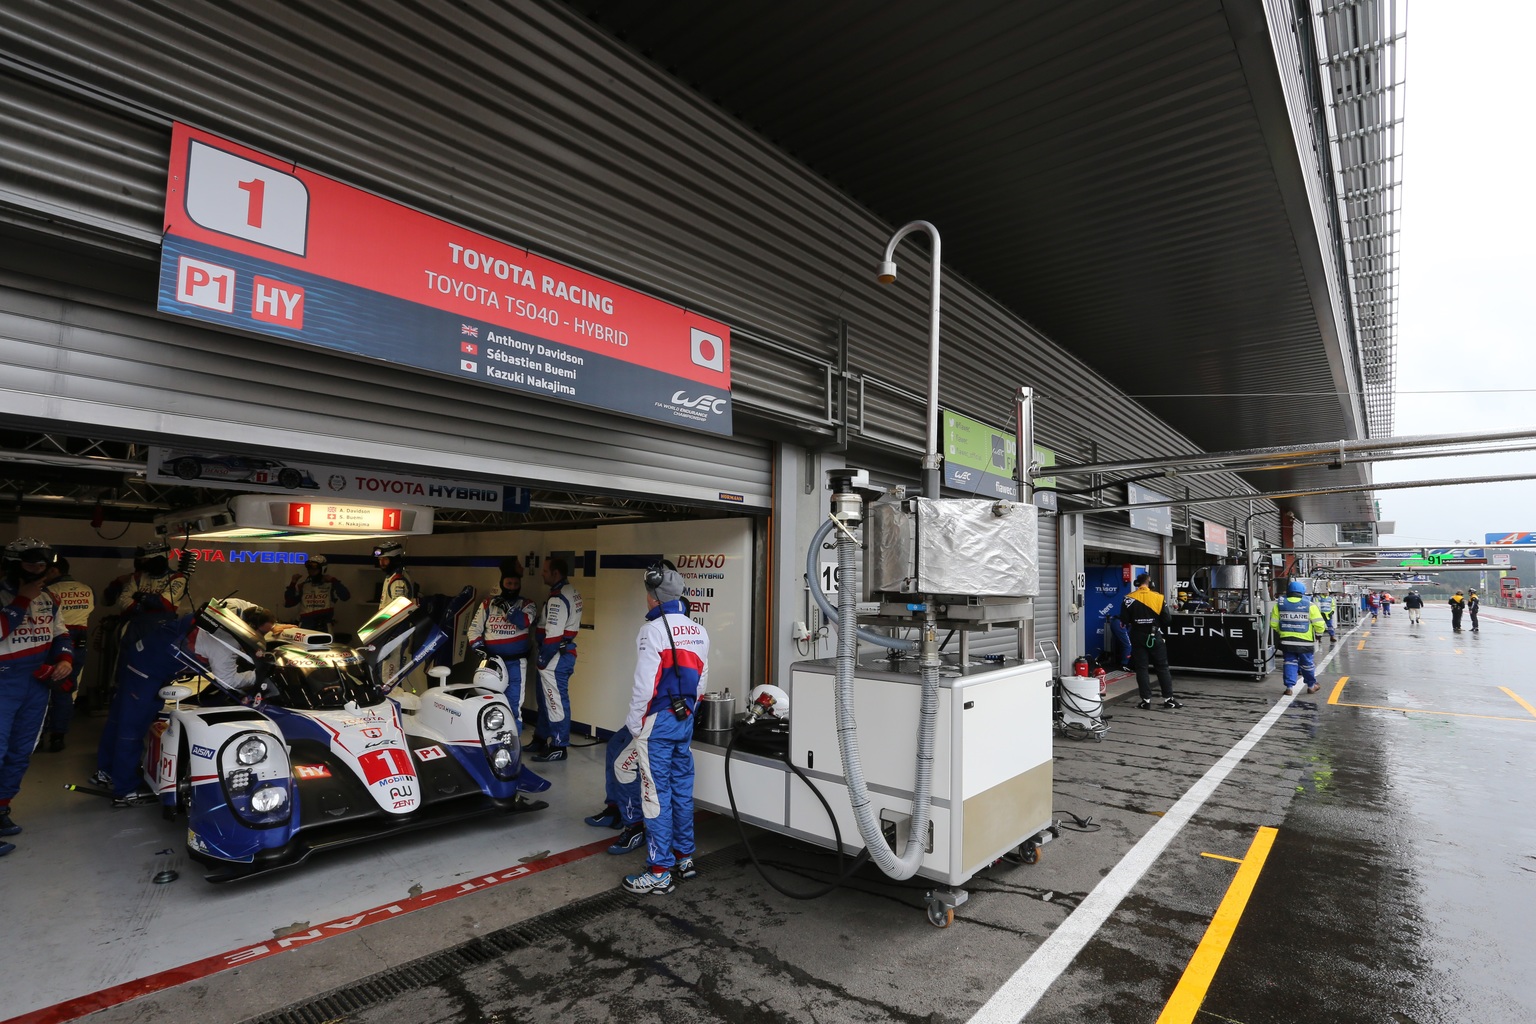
{"x": 256, "y": 243}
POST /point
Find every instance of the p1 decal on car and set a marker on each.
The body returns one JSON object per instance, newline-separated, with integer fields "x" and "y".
{"x": 311, "y": 771}
{"x": 431, "y": 753}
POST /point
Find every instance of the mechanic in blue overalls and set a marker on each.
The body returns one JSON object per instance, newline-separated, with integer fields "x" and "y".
{"x": 671, "y": 672}
{"x": 35, "y": 655}
{"x": 502, "y": 627}
{"x": 1297, "y": 622}
{"x": 557, "y": 660}
{"x": 146, "y": 661}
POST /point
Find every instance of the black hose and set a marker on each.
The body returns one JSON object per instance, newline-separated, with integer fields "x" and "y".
{"x": 837, "y": 833}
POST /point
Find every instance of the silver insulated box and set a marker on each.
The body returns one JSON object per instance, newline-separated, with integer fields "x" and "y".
{"x": 962, "y": 546}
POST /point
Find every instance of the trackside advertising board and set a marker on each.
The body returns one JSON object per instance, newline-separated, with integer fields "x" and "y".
{"x": 256, "y": 243}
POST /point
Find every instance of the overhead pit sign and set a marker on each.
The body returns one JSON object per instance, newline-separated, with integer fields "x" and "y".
{"x": 262, "y": 245}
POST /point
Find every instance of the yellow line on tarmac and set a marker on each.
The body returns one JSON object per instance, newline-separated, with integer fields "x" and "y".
{"x": 1333, "y": 698}
{"x": 1217, "y": 856}
{"x": 1517, "y": 699}
{"x": 1190, "y": 991}
{"x": 1361, "y": 645}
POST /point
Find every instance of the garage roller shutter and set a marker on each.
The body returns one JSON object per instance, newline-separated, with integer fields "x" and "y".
{"x": 1111, "y": 532}
{"x": 98, "y": 365}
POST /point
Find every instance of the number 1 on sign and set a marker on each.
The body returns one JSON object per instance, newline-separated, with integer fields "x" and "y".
{"x": 256, "y": 191}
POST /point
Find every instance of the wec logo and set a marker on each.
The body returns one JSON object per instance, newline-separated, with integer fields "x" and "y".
{"x": 704, "y": 403}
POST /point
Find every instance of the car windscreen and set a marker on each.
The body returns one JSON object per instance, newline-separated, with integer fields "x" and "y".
{"x": 309, "y": 679}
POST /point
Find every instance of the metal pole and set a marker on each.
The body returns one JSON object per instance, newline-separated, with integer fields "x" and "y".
{"x": 1313, "y": 491}
{"x": 1259, "y": 455}
{"x": 933, "y": 460}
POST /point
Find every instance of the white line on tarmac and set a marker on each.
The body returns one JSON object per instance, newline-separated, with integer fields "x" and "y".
{"x": 1019, "y": 994}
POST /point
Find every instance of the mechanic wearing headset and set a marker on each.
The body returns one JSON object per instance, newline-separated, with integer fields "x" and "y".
{"x": 315, "y": 595}
{"x": 146, "y": 660}
{"x": 397, "y": 583}
{"x": 671, "y": 673}
{"x": 502, "y": 627}
{"x": 35, "y": 655}
{"x": 557, "y": 660}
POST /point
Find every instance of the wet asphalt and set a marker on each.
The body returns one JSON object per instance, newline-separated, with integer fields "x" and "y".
{"x": 1400, "y": 888}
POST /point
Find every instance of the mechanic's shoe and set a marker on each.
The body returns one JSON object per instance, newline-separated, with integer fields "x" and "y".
{"x": 1145, "y": 705}
{"x": 6, "y": 848}
{"x": 658, "y": 882}
{"x": 7, "y": 826}
{"x": 134, "y": 799}
{"x": 1171, "y": 704}
{"x": 608, "y": 817}
{"x": 632, "y": 838}
{"x": 100, "y": 779}
{"x": 685, "y": 869}
{"x": 553, "y": 754}
{"x": 55, "y": 742}
{"x": 1290, "y": 691}
{"x": 1313, "y": 688}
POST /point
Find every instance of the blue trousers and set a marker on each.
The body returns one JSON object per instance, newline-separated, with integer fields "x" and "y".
{"x": 554, "y": 722}
{"x": 621, "y": 782}
{"x": 23, "y": 703}
{"x": 1299, "y": 661}
{"x": 666, "y": 787}
{"x": 61, "y": 705}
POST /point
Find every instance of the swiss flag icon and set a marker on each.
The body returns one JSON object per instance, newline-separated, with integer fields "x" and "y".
{"x": 708, "y": 350}
{"x": 469, "y": 348}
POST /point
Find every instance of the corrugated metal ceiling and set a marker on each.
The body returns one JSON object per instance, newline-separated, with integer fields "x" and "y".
{"x": 1100, "y": 167}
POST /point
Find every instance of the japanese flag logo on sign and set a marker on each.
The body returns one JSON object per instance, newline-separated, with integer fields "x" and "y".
{"x": 707, "y": 350}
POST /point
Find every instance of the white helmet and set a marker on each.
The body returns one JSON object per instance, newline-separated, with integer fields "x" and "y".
{"x": 27, "y": 551}
{"x": 775, "y": 704}
{"x": 491, "y": 675}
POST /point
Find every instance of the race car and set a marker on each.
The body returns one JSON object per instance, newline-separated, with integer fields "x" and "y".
{"x": 316, "y": 754}
{"x": 238, "y": 469}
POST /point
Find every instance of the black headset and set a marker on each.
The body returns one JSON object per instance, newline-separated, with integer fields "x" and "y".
{"x": 655, "y": 574}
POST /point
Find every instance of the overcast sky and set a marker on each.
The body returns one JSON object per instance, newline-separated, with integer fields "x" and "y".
{"x": 1468, "y": 274}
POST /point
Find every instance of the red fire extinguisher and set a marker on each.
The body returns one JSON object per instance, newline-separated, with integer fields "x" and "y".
{"x": 1080, "y": 666}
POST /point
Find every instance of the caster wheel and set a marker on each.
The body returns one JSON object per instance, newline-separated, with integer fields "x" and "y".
{"x": 940, "y": 916}
{"x": 1031, "y": 854}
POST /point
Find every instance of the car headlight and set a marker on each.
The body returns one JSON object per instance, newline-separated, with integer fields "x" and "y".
{"x": 268, "y": 798}
{"x": 501, "y": 760}
{"x": 251, "y": 751}
{"x": 494, "y": 719}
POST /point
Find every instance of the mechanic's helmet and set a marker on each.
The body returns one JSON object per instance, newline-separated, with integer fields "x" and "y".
{"x": 392, "y": 550}
{"x": 316, "y": 563}
{"x": 153, "y": 557}
{"x": 492, "y": 675}
{"x": 23, "y": 552}
{"x": 1296, "y": 587}
{"x": 256, "y": 617}
{"x": 777, "y": 703}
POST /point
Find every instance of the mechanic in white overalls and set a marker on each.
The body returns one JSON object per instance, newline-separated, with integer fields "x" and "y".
{"x": 315, "y": 595}
{"x": 502, "y": 627}
{"x": 397, "y": 583}
{"x": 557, "y": 660}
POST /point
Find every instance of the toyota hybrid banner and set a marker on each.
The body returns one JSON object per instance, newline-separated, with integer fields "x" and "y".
{"x": 256, "y": 243}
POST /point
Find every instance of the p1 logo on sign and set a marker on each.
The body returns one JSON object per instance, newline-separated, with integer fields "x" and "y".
{"x": 199, "y": 283}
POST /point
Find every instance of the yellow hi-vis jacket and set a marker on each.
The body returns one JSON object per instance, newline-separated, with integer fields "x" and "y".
{"x": 1297, "y": 622}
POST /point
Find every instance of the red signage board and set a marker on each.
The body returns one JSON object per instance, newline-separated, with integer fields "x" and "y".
{"x": 260, "y": 244}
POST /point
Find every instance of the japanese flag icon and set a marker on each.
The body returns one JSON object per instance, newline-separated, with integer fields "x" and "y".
{"x": 707, "y": 350}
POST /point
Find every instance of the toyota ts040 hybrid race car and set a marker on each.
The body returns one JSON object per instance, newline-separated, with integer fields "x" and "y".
{"x": 316, "y": 753}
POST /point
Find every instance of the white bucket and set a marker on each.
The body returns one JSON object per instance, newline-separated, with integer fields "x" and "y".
{"x": 1080, "y": 701}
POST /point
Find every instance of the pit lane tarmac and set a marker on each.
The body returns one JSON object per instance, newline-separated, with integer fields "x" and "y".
{"x": 1402, "y": 869}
